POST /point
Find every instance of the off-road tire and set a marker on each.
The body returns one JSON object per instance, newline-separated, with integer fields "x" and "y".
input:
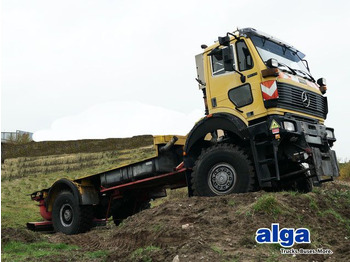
{"x": 301, "y": 184}
{"x": 69, "y": 217}
{"x": 222, "y": 169}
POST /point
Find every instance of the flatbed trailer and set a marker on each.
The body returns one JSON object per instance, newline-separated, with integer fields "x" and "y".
{"x": 131, "y": 186}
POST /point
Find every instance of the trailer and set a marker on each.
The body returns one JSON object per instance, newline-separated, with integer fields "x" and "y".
{"x": 74, "y": 206}
{"x": 263, "y": 128}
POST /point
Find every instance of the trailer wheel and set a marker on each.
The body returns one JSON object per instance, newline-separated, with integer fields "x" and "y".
{"x": 221, "y": 170}
{"x": 69, "y": 217}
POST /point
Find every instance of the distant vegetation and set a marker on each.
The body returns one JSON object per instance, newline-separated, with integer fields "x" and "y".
{"x": 19, "y": 138}
{"x": 47, "y": 148}
{"x": 345, "y": 170}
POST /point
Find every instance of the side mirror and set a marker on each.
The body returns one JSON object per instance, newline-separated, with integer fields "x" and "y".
{"x": 272, "y": 63}
{"x": 322, "y": 83}
{"x": 225, "y": 41}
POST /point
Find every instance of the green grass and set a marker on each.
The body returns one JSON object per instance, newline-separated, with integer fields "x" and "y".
{"x": 268, "y": 204}
{"x": 337, "y": 216}
{"x": 143, "y": 253}
{"x": 97, "y": 254}
{"x": 217, "y": 250}
{"x": 157, "y": 227}
{"x": 18, "y": 251}
{"x": 312, "y": 204}
{"x": 231, "y": 203}
{"x": 345, "y": 170}
{"x": 40, "y": 251}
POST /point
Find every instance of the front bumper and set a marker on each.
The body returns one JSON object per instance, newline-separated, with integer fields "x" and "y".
{"x": 303, "y": 141}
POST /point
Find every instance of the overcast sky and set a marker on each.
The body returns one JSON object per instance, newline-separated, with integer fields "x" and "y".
{"x": 96, "y": 69}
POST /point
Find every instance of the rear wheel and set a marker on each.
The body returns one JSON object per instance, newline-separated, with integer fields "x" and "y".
{"x": 222, "y": 169}
{"x": 69, "y": 217}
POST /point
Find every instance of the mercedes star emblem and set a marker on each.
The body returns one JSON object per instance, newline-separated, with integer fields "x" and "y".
{"x": 305, "y": 99}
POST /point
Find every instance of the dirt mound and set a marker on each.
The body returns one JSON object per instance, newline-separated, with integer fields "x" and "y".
{"x": 46, "y": 148}
{"x": 223, "y": 228}
{"x": 20, "y": 235}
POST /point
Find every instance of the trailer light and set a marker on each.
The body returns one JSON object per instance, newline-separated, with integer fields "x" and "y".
{"x": 289, "y": 126}
{"x": 330, "y": 133}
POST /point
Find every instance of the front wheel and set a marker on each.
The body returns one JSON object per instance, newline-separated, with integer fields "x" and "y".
{"x": 69, "y": 217}
{"x": 301, "y": 184}
{"x": 221, "y": 170}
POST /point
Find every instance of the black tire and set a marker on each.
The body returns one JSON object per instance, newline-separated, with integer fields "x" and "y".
{"x": 126, "y": 208}
{"x": 221, "y": 170}
{"x": 69, "y": 217}
{"x": 301, "y": 184}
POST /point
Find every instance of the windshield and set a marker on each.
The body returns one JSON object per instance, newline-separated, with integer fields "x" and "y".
{"x": 284, "y": 55}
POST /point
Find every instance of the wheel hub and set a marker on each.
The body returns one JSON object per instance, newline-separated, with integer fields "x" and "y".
{"x": 66, "y": 215}
{"x": 221, "y": 178}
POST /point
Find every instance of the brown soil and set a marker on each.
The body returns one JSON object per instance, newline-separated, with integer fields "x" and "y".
{"x": 222, "y": 228}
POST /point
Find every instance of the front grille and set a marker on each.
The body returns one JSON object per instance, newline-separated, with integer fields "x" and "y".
{"x": 290, "y": 97}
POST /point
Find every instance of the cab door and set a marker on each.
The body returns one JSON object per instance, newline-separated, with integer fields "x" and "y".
{"x": 228, "y": 93}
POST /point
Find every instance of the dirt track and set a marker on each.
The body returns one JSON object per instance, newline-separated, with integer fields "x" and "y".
{"x": 219, "y": 229}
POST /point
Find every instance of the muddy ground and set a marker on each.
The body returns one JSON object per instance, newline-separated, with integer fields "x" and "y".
{"x": 216, "y": 229}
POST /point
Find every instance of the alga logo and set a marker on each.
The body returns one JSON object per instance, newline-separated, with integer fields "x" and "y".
{"x": 286, "y": 237}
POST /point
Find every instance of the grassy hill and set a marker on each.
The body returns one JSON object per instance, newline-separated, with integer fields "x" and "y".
{"x": 217, "y": 229}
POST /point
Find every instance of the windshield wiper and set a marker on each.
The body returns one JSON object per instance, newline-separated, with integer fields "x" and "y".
{"x": 308, "y": 76}
{"x": 290, "y": 69}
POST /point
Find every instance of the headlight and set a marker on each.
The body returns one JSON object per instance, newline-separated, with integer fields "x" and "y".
{"x": 289, "y": 126}
{"x": 330, "y": 133}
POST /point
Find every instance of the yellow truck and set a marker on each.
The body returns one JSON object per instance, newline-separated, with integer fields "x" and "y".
{"x": 263, "y": 129}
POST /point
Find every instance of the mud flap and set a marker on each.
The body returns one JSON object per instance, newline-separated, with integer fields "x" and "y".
{"x": 325, "y": 164}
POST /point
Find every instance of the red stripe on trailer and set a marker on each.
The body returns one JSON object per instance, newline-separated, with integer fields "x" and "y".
{"x": 182, "y": 170}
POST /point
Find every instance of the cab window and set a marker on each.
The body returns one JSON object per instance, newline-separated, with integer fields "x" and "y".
{"x": 245, "y": 60}
{"x": 217, "y": 64}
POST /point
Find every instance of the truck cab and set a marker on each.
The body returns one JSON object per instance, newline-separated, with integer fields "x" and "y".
{"x": 260, "y": 95}
{"x": 266, "y": 88}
